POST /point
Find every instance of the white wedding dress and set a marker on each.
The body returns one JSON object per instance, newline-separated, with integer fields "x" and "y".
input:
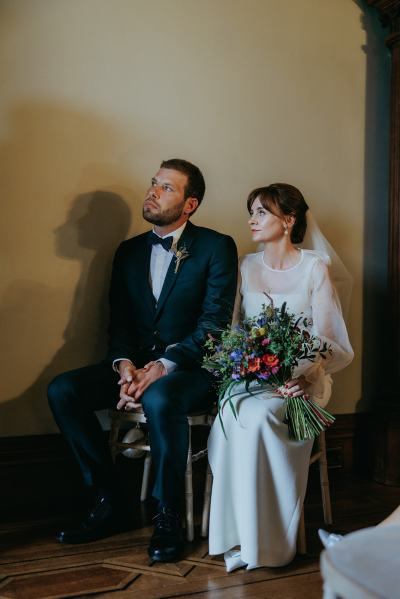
{"x": 260, "y": 475}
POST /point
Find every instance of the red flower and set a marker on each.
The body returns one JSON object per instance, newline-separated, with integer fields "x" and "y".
{"x": 270, "y": 360}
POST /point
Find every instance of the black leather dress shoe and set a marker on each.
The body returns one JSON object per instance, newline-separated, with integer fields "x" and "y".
{"x": 166, "y": 544}
{"x": 99, "y": 523}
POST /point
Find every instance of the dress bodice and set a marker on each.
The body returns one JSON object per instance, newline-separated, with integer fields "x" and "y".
{"x": 292, "y": 285}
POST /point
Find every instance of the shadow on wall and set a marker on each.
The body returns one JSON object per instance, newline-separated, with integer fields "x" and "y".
{"x": 376, "y": 184}
{"x": 38, "y": 162}
{"x": 98, "y": 221}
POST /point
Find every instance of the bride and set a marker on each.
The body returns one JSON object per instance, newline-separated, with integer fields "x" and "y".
{"x": 260, "y": 475}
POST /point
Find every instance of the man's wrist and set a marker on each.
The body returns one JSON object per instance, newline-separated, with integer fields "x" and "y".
{"x": 122, "y": 363}
{"x": 126, "y": 364}
{"x": 169, "y": 366}
{"x": 162, "y": 365}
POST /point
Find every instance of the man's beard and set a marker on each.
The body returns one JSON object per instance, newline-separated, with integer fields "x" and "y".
{"x": 167, "y": 217}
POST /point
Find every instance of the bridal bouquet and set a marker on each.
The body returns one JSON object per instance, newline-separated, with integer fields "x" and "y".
{"x": 265, "y": 350}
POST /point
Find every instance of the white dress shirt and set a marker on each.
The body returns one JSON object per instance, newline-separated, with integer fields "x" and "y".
{"x": 159, "y": 263}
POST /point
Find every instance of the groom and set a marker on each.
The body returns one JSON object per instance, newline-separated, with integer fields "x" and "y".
{"x": 170, "y": 287}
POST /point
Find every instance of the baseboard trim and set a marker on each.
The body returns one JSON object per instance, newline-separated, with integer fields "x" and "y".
{"x": 38, "y": 474}
{"x": 349, "y": 444}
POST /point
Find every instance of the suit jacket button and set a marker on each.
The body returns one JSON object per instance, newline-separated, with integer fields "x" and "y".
{"x": 156, "y": 333}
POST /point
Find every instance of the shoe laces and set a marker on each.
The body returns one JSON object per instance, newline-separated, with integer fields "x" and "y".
{"x": 166, "y": 519}
{"x": 101, "y": 508}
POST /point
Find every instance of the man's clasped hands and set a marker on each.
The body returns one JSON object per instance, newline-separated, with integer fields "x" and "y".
{"x": 134, "y": 381}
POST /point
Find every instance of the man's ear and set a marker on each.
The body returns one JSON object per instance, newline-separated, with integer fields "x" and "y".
{"x": 190, "y": 205}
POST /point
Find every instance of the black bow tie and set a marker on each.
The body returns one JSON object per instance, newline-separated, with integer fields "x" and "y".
{"x": 154, "y": 239}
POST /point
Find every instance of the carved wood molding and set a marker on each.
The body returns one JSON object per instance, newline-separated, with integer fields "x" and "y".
{"x": 387, "y": 429}
{"x": 389, "y": 12}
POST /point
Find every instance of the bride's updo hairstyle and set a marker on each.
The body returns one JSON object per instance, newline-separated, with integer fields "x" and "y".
{"x": 283, "y": 199}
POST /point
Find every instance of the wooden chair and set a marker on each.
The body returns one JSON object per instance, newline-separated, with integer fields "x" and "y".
{"x": 320, "y": 457}
{"x": 137, "y": 417}
{"x": 206, "y": 419}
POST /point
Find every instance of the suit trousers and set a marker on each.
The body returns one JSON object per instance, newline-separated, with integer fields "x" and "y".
{"x": 75, "y": 396}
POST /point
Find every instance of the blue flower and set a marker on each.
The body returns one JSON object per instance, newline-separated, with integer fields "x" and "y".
{"x": 263, "y": 376}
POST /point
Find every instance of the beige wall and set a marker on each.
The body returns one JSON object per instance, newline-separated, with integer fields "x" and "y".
{"x": 95, "y": 93}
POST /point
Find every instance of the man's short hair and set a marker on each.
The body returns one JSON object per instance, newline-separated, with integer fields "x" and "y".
{"x": 195, "y": 187}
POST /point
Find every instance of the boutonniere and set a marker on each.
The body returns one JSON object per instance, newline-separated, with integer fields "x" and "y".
{"x": 180, "y": 254}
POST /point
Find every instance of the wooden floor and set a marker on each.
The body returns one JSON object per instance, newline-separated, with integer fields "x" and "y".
{"x": 33, "y": 565}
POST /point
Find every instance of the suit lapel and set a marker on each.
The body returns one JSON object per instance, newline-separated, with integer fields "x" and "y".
{"x": 171, "y": 277}
{"x": 143, "y": 272}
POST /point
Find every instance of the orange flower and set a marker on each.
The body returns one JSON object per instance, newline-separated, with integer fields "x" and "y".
{"x": 253, "y": 365}
{"x": 270, "y": 360}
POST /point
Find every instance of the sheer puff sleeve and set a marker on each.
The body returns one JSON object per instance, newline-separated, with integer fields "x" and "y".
{"x": 328, "y": 325}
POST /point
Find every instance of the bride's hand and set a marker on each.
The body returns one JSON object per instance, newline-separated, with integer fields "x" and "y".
{"x": 296, "y": 387}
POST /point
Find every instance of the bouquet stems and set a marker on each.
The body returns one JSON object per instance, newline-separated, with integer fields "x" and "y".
{"x": 305, "y": 419}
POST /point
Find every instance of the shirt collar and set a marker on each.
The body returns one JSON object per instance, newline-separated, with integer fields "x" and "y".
{"x": 174, "y": 234}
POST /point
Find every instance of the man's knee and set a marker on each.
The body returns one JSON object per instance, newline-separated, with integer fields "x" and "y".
{"x": 156, "y": 403}
{"x": 60, "y": 390}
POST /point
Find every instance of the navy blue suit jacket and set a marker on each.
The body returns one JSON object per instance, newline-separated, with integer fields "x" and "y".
{"x": 196, "y": 300}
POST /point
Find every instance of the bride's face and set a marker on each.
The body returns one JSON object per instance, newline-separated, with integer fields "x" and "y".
{"x": 264, "y": 225}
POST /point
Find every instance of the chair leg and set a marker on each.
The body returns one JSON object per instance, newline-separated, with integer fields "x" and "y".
{"x": 144, "y": 492}
{"x": 324, "y": 480}
{"x": 301, "y": 535}
{"x": 206, "y": 503}
{"x": 113, "y": 438}
{"x": 189, "y": 493}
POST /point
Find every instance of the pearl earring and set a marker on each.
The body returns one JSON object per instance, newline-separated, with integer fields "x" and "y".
{"x": 286, "y": 230}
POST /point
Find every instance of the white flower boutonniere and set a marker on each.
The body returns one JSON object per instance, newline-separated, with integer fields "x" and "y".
{"x": 180, "y": 254}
